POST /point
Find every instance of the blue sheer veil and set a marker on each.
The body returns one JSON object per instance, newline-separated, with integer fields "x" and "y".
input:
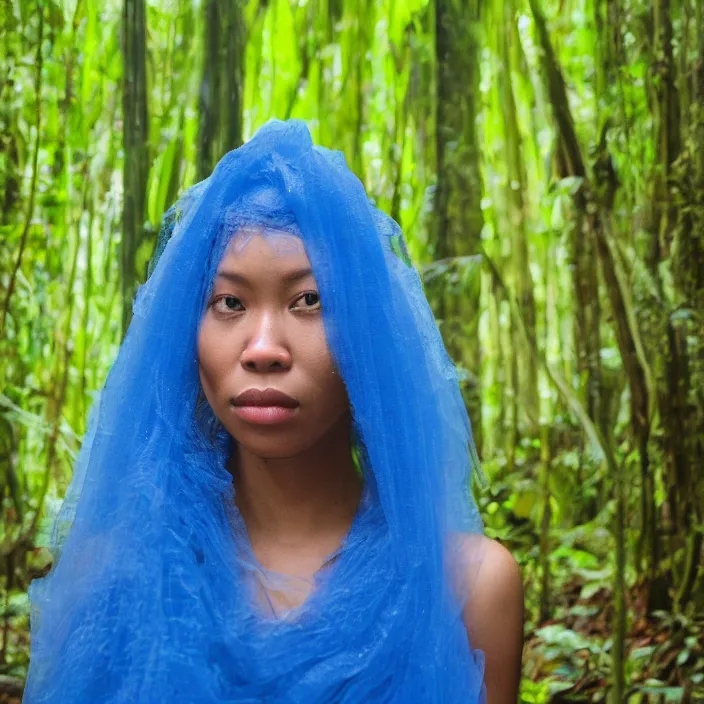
{"x": 145, "y": 601}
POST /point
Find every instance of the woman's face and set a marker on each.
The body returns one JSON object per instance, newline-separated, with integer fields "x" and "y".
{"x": 264, "y": 362}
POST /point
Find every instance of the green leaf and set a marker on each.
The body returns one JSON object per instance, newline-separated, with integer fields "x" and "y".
{"x": 642, "y": 653}
{"x": 683, "y": 657}
{"x": 670, "y": 694}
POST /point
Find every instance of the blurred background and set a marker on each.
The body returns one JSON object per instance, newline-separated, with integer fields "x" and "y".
{"x": 545, "y": 159}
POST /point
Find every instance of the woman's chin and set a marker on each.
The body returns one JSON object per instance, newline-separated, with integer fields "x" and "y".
{"x": 271, "y": 445}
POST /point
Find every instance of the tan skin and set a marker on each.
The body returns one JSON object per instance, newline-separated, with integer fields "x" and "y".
{"x": 296, "y": 486}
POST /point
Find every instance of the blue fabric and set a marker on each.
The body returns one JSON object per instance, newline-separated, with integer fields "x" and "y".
{"x": 145, "y": 602}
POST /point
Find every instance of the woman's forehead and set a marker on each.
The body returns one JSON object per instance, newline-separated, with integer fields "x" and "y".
{"x": 248, "y": 244}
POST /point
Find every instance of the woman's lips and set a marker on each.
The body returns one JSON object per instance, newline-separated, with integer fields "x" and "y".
{"x": 264, "y": 415}
{"x": 264, "y": 406}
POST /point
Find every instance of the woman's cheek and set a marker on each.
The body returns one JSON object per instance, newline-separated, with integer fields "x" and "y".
{"x": 212, "y": 364}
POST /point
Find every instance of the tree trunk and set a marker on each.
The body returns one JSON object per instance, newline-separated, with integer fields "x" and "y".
{"x": 597, "y": 215}
{"x": 516, "y": 188}
{"x": 234, "y": 76}
{"x": 220, "y": 128}
{"x": 672, "y": 357}
{"x": 209, "y": 90}
{"x": 682, "y": 393}
{"x": 544, "y": 598}
{"x": 667, "y": 134}
{"x": 458, "y": 217}
{"x": 587, "y": 335}
{"x": 135, "y": 140}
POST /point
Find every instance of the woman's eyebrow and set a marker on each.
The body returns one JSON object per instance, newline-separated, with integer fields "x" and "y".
{"x": 288, "y": 278}
{"x": 296, "y": 275}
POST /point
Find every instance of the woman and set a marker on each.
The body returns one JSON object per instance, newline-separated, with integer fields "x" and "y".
{"x": 272, "y": 503}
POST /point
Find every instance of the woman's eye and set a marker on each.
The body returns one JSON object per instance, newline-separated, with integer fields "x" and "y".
{"x": 228, "y": 304}
{"x": 308, "y": 301}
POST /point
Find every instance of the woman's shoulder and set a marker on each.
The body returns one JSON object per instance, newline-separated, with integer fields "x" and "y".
{"x": 485, "y": 565}
{"x": 490, "y": 579}
{"x": 494, "y": 611}
{"x": 491, "y": 564}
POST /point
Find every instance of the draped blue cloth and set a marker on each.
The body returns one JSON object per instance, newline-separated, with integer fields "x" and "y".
{"x": 147, "y": 599}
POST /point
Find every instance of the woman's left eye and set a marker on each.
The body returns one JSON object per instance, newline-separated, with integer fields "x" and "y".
{"x": 310, "y": 301}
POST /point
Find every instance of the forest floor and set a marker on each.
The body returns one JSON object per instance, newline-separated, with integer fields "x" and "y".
{"x": 567, "y": 659}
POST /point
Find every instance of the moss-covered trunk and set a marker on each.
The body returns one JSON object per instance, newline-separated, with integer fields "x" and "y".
{"x": 220, "y": 100}
{"x": 516, "y": 191}
{"x": 458, "y": 221}
{"x": 135, "y": 136}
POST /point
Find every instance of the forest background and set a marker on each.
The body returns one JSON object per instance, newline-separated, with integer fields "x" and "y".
{"x": 545, "y": 160}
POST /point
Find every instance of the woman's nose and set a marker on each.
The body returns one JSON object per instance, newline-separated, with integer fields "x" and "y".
{"x": 266, "y": 351}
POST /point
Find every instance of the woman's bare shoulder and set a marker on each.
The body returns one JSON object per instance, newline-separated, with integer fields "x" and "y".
{"x": 487, "y": 566}
{"x": 494, "y": 612}
{"x": 493, "y": 566}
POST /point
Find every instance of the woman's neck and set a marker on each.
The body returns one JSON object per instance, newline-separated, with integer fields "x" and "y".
{"x": 308, "y": 499}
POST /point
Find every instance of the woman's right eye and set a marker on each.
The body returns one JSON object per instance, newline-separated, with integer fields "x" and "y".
{"x": 228, "y": 304}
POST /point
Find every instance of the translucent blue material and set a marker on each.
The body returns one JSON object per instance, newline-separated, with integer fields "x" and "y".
{"x": 146, "y": 600}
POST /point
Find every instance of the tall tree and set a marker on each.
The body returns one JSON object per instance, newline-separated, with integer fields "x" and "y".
{"x": 135, "y": 139}
{"x": 667, "y": 136}
{"x": 458, "y": 218}
{"x": 682, "y": 394}
{"x": 596, "y": 218}
{"x": 516, "y": 192}
{"x": 670, "y": 347}
{"x": 220, "y": 128}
